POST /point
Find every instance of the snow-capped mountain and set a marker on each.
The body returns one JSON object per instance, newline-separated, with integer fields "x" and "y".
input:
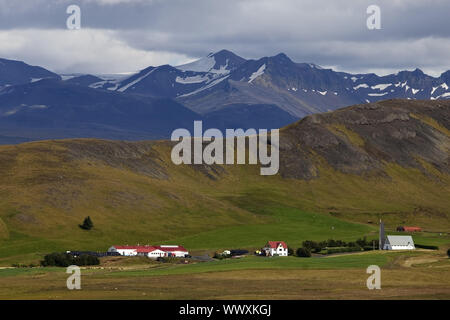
{"x": 222, "y": 89}
{"x": 222, "y": 62}
{"x": 184, "y": 80}
{"x": 224, "y": 79}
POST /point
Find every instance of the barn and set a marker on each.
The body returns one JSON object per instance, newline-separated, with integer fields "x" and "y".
{"x": 399, "y": 243}
{"x": 409, "y": 229}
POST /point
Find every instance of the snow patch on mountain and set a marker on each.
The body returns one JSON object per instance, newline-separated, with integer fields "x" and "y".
{"x": 191, "y": 80}
{"x": 258, "y": 73}
{"x": 210, "y": 85}
{"x": 362, "y": 85}
{"x": 132, "y": 83}
{"x": 202, "y": 65}
{"x": 382, "y": 86}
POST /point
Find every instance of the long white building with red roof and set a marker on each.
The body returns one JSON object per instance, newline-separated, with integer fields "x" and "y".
{"x": 151, "y": 251}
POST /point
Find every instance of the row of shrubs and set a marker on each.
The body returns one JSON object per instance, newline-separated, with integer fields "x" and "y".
{"x": 423, "y": 246}
{"x": 316, "y": 247}
{"x": 334, "y": 246}
{"x": 64, "y": 260}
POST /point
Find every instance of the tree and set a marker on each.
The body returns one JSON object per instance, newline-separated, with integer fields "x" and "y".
{"x": 303, "y": 252}
{"x": 313, "y": 246}
{"x": 448, "y": 253}
{"x": 87, "y": 224}
{"x": 290, "y": 251}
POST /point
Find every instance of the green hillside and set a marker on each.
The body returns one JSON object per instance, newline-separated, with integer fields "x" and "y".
{"x": 335, "y": 181}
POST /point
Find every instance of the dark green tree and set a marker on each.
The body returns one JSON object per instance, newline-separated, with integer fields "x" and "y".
{"x": 87, "y": 224}
{"x": 303, "y": 252}
{"x": 448, "y": 253}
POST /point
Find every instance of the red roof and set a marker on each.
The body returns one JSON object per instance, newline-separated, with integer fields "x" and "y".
{"x": 146, "y": 250}
{"x": 412, "y": 229}
{"x": 132, "y": 247}
{"x": 275, "y": 244}
{"x": 171, "y": 248}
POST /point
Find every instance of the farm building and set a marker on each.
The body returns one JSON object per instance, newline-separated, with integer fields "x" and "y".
{"x": 125, "y": 250}
{"x": 173, "y": 251}
{"x": 275, "y": 248}
{"x": 151, "y": 251}
{"x": 409, "y": 229}
{"x": 399, "y": 243}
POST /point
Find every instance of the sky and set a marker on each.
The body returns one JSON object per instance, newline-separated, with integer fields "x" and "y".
{"x": 122, "y": 36}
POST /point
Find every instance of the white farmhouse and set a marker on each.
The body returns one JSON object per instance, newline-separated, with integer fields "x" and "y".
{"x": 399, "y": 243}
{"x": 275, "y": 248}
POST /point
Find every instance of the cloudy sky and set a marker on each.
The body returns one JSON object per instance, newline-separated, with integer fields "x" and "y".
{"x": 119, "y": 36}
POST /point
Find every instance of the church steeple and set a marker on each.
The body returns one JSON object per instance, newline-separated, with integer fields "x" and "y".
{"x": 381, "y": 236}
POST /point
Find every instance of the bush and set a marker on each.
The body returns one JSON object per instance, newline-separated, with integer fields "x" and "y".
{"x": 423, "y": 246}
{"x": 168, "y": 259}
{"x": 343, "y": 249}
{"x": 363, "y": 242}
{"x": 64, "y": 260}
{"x": 448, "y": 253}
{"x": 303, "y": 252}
{"x": 87, "y": 224}
{"x": 313, "y": 246}
{"x": 290, "y": 251}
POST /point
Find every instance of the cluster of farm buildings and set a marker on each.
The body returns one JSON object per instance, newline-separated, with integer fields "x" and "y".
{"x": 151, "y": 251}
{"x": 272, "y": 248}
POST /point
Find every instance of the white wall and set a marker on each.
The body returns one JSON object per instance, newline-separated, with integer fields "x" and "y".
{"x": 389, "y": 247}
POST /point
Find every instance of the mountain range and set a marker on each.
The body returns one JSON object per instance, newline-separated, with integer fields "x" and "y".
{"x": 222, "y": 89}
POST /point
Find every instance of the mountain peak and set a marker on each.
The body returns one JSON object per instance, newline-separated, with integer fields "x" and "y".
{"x": 418, "y": 71}
{"x": 282, "y": 56}
{"x": 445, "y": 75}
{"x": 224, "y": 52}
{"x": 221, "y": 61}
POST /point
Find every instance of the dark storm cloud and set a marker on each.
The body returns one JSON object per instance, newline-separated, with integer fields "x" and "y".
{"x": 333, "y": 33}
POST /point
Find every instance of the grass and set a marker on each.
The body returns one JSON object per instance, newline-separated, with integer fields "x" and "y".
{"x": 262, "y": 263}
{"x": 289, "y": 224}
{"x": 45, "y": 195}
{"x": 338, "y": 277}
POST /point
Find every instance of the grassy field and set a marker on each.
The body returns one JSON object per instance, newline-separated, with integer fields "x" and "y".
{"x": 45, "y": 194}
{"x": 404, "y": 275}
{"x": 40, "y": 214}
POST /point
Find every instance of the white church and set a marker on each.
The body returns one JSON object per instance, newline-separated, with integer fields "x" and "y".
{"x": 394, "y": 242}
